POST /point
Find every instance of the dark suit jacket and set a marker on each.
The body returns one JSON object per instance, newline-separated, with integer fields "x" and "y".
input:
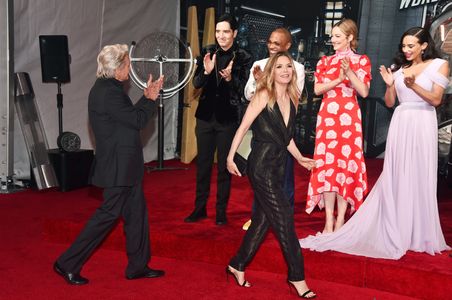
{"x": 220, "y": 98}
{"x": 116, "y": 123}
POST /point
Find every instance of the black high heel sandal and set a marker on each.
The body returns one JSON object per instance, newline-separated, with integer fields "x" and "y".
{"x": 304, "y": 295}
{"x": 245, "y": 283}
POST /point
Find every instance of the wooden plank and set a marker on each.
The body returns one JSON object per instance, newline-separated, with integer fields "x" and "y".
{"x": 191, "y": 95}
{"x": 208, "y": 37}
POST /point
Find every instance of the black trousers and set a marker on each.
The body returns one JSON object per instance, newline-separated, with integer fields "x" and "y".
{"x": 128, "y": 203}
{"x": 289, "y": 182}
{"x": 210, "y": 136}
{"x": 272, "y": 209}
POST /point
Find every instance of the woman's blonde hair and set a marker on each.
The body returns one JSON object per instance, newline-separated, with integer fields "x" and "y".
{"x": 348, "y": 27}
{"x": 109, "y": 59}
{"x": 267, "y": 81}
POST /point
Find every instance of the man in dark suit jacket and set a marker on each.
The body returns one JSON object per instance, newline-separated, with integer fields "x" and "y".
{"x": 222, "y": 72}
{"x": 118, "y": 168}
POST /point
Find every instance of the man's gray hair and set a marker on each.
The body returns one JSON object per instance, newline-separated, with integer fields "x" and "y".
{"x": 109, "y": 59}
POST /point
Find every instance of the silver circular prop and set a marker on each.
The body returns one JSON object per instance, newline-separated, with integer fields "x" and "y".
{"x": 162, "y": 53}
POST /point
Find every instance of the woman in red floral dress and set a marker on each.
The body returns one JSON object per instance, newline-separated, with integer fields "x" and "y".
{"x": 341, "y": 172}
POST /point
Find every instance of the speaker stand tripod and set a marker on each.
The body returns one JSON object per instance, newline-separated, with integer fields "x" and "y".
{"x": 60, "y": 112}
{"x": 160, "y": 127}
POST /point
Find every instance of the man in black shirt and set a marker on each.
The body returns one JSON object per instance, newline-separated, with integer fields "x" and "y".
{"x": 222, "y": 72}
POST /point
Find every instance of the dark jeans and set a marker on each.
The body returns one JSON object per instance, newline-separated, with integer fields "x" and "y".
{"x": 128, "y": 203}
{"x": 289, "y": 183}
{"x": 211, "y": 136}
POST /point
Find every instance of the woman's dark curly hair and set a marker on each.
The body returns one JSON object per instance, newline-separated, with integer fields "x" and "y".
{"x": 423, "y": 37}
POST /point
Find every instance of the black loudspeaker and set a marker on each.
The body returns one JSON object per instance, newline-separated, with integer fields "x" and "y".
{"x": 72, "y": 169}
{"x": 54, "y": 58}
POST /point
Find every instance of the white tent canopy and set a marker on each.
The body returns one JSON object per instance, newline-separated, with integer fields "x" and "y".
{"x": 89, "y": 25}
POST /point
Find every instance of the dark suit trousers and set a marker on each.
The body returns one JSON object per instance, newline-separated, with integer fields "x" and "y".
{"x": 276, "y": 212}
{"x": 128, "y": 203}
{"x": 210, "y": 136}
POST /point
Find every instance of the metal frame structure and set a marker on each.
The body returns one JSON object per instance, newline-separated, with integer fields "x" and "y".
{"x": 161, "y": 59}
{"x": 164, "y": 93}
{"x": 7, "y": 95}
{"x": 33, "y": 132}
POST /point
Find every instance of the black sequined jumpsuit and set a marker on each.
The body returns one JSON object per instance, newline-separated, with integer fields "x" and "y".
{"x": 266, "y": 171}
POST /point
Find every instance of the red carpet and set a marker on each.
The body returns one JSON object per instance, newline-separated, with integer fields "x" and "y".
{"x": 37, "y": 226}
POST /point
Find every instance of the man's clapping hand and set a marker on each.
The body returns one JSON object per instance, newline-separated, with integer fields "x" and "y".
{"x": 257, "y": 73}
{"x": 209, "y": 63}
{"x": 153, "y": 87}
{"x": 226, "y": 73}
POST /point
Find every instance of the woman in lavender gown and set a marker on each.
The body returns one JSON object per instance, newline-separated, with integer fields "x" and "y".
{"x": 401, "y": 211}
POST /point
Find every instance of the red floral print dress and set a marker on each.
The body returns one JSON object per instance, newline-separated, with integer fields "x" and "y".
{"x": 339, "y": 140}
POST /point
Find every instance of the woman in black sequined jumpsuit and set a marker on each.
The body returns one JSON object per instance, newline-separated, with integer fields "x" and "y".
{"x": 272, "y": 116}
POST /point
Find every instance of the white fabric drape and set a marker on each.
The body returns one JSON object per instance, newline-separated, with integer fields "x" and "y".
{"x": 89, "y": 25}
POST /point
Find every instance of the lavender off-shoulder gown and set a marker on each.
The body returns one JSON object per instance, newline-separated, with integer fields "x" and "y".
{"x": 401, "y": 211}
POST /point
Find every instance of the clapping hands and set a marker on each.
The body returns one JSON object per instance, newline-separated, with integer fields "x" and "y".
{"x": 257, "y": 72}
{"x": 409, "y": 80}
{"x": 226, "y": 72}
{"x": 153, "y": 87}
{"x": 209, "y": 66}
{"x": 345, "y": 68}
{"x": 345, "y": 64}
{"x": 386, "y": 74}
{"x": 209, "y": 63}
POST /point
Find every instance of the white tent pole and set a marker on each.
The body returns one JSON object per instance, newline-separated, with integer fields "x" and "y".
{"x": 6, "y": 94}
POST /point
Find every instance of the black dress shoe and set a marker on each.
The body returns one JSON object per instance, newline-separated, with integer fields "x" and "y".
{"x": 147, "y": 273}
{"x": 221, "y": 220}
{"x": 71, "y": 278}
{"x": 196, "y": 215}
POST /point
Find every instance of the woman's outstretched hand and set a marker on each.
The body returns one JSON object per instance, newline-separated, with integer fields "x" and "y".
{"x": 232, "y": 167}
{"x": 307, "y": 163}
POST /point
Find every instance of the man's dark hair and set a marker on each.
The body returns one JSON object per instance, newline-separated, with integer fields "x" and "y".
{"x": 230, "y": 19}
{"x": 284, "y": 31}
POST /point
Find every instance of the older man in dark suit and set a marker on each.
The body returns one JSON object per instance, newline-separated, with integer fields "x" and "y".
{"x": 118, "y": 168}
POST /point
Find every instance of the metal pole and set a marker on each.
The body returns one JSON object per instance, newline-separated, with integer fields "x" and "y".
{"x": 60, "y": 110}
{"x": 7, "y": 93}
{"x": 160, "y": 131}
